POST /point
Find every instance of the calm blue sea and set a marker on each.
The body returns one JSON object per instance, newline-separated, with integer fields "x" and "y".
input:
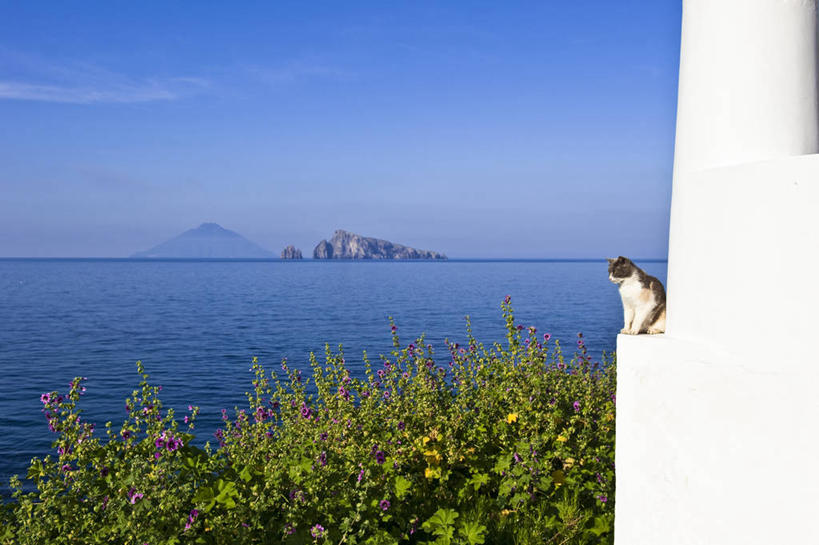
{"x": 196, "y": 325}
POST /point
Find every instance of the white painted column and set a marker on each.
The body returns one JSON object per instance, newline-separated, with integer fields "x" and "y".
{"x": 747, "y": 93}
{"x": 717, "y": 419}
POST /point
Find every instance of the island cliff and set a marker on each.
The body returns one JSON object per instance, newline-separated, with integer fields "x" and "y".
{"x": 345, "y": 245}
{"x": 291, "y": 252}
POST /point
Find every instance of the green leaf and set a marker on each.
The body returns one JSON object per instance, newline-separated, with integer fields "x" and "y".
{"x": 442, "y": 523}
{"x": 602, "y": 525}
{"x": 472, "y": 532}
{"x": 478, "y": 480}
{"x": 402, "y": 486}
{"x": 502, "y": 464}
{"x": 518, "y": 498}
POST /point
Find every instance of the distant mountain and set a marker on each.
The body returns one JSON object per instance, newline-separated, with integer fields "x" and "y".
{"x": 207, "y": 240}
{"x": 345, "y": 245}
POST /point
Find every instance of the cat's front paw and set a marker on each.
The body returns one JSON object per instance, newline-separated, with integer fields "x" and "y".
{"x": 627, "y": 331}
{"x": 655, "y": 331}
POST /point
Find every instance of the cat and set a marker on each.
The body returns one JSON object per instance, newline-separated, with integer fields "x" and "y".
{"x": 643, "y": 298}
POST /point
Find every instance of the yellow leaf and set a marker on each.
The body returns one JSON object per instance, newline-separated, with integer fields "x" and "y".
{"x": 432, "y": 473}
{"x": 433, "y": 456}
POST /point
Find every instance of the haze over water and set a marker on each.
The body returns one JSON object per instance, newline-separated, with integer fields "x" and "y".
{"x": 196, "y": 325}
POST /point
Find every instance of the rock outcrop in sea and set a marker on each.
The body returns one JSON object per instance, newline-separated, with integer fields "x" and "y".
{"x": 291, "y": 252}
{"x": 346, "y": 245}
{"x": 207, "y": 240}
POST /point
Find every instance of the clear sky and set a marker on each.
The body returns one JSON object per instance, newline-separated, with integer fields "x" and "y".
{"x": 478, "y": 129}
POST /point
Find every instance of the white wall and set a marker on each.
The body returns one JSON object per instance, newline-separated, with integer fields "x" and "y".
{"x": 718, "y": 419}
{"x": 718, "y": 434}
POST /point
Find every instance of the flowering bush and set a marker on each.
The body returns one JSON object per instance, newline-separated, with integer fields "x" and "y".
{"x": 506, "y": 444}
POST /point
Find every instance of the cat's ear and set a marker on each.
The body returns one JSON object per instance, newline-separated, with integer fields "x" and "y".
{"x": 610, "y": 260}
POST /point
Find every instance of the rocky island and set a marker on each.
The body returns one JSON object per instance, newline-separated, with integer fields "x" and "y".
{"x": 291, "y": 252}
{"x": 209, "y": 240}
{"x": 346, "y": 245}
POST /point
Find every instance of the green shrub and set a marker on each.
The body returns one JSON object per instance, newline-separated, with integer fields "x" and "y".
{"x": 507, "y": 444}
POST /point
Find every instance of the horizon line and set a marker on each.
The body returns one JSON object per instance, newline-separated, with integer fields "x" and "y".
{"x": 277, "y": 259}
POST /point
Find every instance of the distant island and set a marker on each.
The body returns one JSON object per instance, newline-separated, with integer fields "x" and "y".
{"x": 291, "y": 252}
{"x": 207, "y": 240}
{"x": 345, "y": 245}
{"x": 211, "y": 240}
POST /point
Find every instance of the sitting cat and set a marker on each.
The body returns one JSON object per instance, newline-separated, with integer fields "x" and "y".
{"x": 643, "y": 298}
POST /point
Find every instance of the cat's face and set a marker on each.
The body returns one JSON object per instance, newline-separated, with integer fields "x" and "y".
{"x": 620, "y": 269}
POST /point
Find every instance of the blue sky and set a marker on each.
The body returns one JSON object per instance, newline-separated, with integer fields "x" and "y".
{"x": 479, "y": 129}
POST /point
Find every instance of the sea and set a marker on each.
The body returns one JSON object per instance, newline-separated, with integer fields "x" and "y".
{"x": 197, "y": 324}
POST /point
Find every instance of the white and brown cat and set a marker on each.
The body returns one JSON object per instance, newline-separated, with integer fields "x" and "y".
{"x": 643, "y": 298}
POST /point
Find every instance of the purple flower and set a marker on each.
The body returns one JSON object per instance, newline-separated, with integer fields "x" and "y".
{"x": 576, "y": 406}
{"x": 360, "y": 475}
{"x": 45, "y": 398}
{"x": 546, "y": 337}
{"x": 323, "y": 436}
{"x": 305, "y": 411}
{"x": 323, "y": 458}
{"x": 192, "y": 517}
{"x": 384, "y": 504}
{"x": 317, "y": 531}
{"x": 386, "y": 394}
{"x": 380, "y": 457}
{"x": 401, "y": 425}
{"x": 133, "y": 496}
{"x": 603, "y": 499}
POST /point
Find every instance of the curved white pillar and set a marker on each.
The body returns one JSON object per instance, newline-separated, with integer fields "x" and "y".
{"x": 747, "y": 93}
{"x": 747, "y": 89}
